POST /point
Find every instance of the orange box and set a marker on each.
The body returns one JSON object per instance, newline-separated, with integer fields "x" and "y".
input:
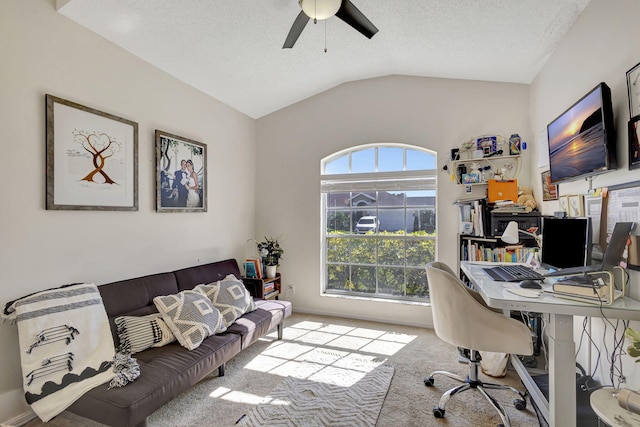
{"x": 502, "y": 190}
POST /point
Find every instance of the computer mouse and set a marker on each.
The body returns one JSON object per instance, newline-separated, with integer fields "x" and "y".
{"x": 530, "y": 284}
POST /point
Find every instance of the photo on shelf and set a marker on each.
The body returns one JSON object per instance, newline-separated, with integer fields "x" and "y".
{"x": 470, "y": 178}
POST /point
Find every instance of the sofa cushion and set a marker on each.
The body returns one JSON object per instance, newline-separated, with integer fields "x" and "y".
{"x": 229, "y": 296}
{"x": 188, "y": 278}
{"x": 190, "y": 316}
{"x": 133, "y": 297}
{"x": 138, "y": 333}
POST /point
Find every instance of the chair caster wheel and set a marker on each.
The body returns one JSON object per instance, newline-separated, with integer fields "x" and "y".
{"x": 428, "y": 382}
{"x": 438, "y": 413}
{"x": 520, "y": 404}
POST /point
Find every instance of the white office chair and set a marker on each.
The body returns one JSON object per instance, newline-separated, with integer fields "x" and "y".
{"x": 461, "y": 318}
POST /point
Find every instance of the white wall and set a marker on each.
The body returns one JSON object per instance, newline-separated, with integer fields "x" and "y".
{"x": 43, "y": 52}
{"x": 602, "y": 45}
{"x": 438, "y": 114}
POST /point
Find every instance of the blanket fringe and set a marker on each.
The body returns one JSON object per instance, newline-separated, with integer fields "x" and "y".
{"x": 126, "y": 368}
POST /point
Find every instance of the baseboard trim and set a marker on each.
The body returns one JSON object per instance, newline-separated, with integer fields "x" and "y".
{"x": 365, "y": 318}
{"x": 20, "y": 420}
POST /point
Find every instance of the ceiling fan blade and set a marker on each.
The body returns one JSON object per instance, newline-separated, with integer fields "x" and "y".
{"x": 296, "y": 30}
{"x": 352, "y": 16}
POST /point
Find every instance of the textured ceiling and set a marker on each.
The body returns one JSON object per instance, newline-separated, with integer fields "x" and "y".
{"x": 232, "y": 49}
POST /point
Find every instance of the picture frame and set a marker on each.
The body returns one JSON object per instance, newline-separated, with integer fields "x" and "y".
{"x": 576, "y": 205}
{"x": 177, "y": 155}
{"x": 549, "y": 191}
{"x": 634, "y": 143}
{"x": 633, "y": 90}
{"x": 563, "y": 204}
{"x": 91, "y": 158}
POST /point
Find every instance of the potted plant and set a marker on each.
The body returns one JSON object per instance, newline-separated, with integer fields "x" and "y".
{"x": 271, "y": 253}
{"x": 634, "y": 349}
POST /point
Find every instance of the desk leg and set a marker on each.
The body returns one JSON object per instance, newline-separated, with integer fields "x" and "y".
{"x": 562, "y": 371}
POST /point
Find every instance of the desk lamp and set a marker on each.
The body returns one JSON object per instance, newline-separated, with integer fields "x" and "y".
{"x": 510, "y": 234}
{"x": 511, "y": 237}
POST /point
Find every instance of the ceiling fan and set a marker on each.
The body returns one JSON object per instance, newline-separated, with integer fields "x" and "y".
{"x": 324, "y": 9}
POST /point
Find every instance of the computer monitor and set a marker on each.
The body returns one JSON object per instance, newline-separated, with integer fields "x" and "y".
{"x": 566, "y": 242}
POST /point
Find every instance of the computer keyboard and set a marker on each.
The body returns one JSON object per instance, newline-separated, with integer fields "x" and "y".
{"x": 513, "y": 273}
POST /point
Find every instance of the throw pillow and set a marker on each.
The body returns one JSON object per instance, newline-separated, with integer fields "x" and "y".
{"x": 229, "y": 296}
{"x": 190, "y": 316}
{"x": 138, "y": 333}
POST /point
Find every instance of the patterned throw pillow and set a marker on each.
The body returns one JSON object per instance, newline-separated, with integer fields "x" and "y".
{"x": 190, "y": 316}
{"x": 229, "y": 296}
{"x": 138, "y": 333}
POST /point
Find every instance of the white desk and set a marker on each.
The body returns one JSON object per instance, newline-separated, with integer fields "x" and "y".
{"x": 562, "y": 361}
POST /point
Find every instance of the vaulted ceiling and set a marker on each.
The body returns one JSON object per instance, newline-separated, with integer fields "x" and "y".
{"x": 232, "y": 49}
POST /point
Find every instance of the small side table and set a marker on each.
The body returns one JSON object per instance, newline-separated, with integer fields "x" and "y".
{"x": 265, "y": 288}
{"x": 605, "y": 405}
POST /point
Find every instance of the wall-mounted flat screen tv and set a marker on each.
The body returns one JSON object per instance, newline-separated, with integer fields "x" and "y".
{"x": 582, "y": 140}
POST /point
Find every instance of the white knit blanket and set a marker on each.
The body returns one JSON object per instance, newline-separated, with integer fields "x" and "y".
{"x": 66, "y": 346}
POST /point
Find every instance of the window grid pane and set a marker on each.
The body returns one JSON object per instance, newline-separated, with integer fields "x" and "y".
{"x": 378, "y": 242}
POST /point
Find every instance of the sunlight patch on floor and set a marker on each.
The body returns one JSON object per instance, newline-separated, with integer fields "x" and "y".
{"x": 310, "y": 348}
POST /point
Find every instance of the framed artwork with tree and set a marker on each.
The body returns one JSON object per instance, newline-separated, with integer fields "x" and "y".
{"x": 92, "y": 158}
{"x": 181, "y": 174}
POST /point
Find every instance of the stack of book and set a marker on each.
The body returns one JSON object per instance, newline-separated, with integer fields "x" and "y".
{"x": 591, "y": 287}
{"x": 269, "y": 288}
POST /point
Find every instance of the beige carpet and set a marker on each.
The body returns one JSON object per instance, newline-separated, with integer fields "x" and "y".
{"x": 257, "y": 371}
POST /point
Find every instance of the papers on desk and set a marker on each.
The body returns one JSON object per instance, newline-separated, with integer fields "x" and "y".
{"x": 528, "y": 293}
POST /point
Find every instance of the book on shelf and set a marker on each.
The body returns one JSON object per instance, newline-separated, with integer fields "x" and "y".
{"x": 250, "y": 269}
{"x": 269, "y": 287}
{"x": 475, "y": 252}
{"x": 265, "y": 294}
{"x": 473, "y": 216}
{"x": 259, "y": 274}
{"x": 597, "y": 288}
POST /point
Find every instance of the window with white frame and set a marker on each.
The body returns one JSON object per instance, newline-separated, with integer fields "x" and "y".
{"x": 379, "y": 221}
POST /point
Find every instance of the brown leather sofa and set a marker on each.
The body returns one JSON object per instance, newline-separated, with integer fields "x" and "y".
{"x": 167, "y": 371}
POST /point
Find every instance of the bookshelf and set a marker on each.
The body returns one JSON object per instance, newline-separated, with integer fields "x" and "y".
{"x": 480, "y": 228}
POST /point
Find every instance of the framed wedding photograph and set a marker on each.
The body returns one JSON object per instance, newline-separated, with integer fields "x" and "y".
{"x": 576, "y": 205}
{"x": 181, "y": 174}
{"x": 92, "y": 158}
{"x": 634, "y": 144}
{"x": 549, "y": 191}
{"x": 633, "y": 89}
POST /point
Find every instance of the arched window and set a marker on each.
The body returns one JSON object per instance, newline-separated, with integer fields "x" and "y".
{"x": 379, "y": 221}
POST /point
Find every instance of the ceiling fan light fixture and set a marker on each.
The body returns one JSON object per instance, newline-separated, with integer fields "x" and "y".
{"x": 320, "y": 9}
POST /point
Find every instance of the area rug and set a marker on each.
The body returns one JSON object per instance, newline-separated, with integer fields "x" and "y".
{"x": 329, "y": 400}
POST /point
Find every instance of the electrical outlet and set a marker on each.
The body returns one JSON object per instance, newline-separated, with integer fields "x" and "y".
{"x": 292, "y": 289}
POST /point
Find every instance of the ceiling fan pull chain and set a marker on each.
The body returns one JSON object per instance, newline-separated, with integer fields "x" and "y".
{"x": 325, "y": 35}
{"x": 315, "y": 12}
